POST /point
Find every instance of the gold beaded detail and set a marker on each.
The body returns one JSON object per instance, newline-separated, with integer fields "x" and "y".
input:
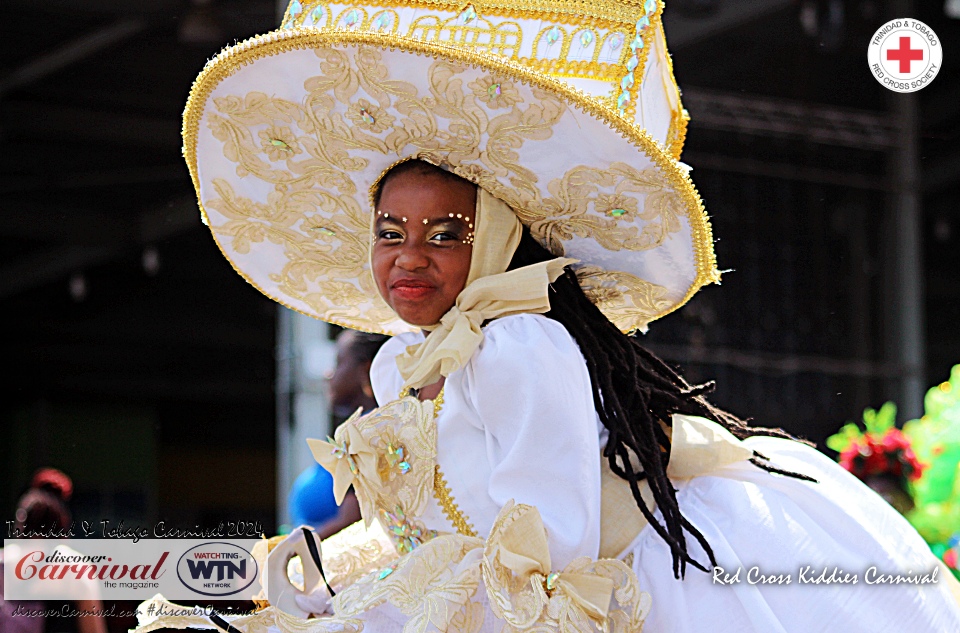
{"x": 441, "y": 489}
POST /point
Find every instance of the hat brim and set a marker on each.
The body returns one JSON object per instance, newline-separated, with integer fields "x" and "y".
{"x": 285, "y": 135}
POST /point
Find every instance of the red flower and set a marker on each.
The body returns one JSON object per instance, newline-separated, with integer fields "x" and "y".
{"x": 890, "y": 454}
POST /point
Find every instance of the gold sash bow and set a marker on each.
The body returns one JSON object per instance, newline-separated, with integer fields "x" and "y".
{"x": 453, "y": 341}
{"x": 517, "y": 555}
{"x": 698, "y": 447}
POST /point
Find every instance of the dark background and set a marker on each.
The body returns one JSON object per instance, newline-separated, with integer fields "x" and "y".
{"x": 140, "y": 363}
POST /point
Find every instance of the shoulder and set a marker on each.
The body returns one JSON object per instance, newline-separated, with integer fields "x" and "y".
{"x": 528, "y": 378}
{"x": 523, "y": 333}
{"x": 517, "y": 343}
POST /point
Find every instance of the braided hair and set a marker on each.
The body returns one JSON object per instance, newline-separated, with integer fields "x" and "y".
{"x": 633, "y": 391}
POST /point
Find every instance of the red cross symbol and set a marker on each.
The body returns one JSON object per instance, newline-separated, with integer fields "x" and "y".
{"x": 905, "y": 54}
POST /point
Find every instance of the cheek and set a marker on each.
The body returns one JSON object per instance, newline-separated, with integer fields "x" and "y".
{"x": 380, "y": 267}
{"x": 459, "y": 267}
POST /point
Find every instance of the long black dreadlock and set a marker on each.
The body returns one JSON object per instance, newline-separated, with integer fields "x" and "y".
{"x": 633, "y": 390}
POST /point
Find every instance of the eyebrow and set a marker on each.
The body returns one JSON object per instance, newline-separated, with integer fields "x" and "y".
{"x": 441, "y": 222}
{"x": 447, "y": 222}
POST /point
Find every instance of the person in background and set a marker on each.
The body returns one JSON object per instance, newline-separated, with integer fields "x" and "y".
{"x": 42, "y": 509}
{"x": 311, "y": 499}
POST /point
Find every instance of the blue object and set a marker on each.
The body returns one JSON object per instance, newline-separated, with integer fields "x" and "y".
{"x": 311, "y": 499}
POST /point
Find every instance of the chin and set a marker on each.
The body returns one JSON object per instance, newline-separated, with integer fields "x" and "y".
{"x": 418, "y": 319}
{"x": 420, "y": 322}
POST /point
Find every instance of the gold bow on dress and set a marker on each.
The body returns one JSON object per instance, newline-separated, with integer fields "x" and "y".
{"x": 524, "y": 590}
{"x": 436, "y": 584}
{"x": 522, "y": 548}
{"x": 350, "y": 460}
{"x": 388, "y": 455}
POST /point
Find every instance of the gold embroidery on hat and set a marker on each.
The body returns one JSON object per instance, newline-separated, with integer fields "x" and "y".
{"x": 346, "y": 254}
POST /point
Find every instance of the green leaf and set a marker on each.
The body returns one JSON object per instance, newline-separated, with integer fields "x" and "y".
{"x": 842, "y": 440}
{"x": 879, "y": 422}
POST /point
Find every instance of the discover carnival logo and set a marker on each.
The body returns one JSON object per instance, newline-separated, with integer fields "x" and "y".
{"x": 124, "y": 569}
{"x": 60, "y": 565}
{"x": 904, "y": 55}
{"x": 217, "y": 569}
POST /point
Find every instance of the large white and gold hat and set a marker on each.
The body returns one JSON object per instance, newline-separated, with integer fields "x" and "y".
{"x": 567, "y": 110}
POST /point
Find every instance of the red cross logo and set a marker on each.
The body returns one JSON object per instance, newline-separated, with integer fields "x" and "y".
{"x": 905, "y": 54}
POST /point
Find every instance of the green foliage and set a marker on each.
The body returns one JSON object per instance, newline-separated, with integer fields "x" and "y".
{"x": 935, "y": 439}
{"x": 876, "y": 422}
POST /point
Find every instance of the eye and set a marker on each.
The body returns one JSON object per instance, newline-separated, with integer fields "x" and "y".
{"x": 389, "y": 234}
{"x": 444, "y": 236}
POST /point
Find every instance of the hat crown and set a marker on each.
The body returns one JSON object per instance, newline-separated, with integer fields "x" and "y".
{"x": 612, "y": 51}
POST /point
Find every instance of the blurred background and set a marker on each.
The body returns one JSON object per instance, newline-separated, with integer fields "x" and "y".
{"x": 139, "y": 363}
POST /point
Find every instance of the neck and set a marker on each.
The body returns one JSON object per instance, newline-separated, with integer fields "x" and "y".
{"x": 430, "y": 392}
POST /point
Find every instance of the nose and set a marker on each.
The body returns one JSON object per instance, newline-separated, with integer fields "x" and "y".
{"x": 412, "y": 257}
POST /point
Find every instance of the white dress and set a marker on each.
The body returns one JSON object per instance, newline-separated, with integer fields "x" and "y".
{"x": 517, "y": 430}
{"x": 518, "y": 422}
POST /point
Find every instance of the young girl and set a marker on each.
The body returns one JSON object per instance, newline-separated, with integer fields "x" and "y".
{"x": 498, "y": 187}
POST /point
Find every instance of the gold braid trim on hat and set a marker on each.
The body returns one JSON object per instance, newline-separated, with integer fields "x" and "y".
{"x": 616, "y": 16}
{"x": 601, "y": 13}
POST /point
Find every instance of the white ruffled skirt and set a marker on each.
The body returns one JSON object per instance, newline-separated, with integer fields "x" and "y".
{"x": 796, "y": 556}
{"x": 793, "y": 556}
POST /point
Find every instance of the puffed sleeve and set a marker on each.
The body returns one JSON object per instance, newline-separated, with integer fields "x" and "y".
{"x": 529, "y": 384}
{"x": 384, "y": 377}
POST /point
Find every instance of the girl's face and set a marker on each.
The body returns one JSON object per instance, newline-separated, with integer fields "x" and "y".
{"x": 422, "y": 244}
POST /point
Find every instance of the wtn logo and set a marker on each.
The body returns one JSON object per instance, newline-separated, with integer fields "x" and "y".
{"x": 217, "y": 569}
{"x": 224, "y": 568}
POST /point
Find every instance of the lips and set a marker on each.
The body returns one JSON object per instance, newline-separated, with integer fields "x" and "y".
{"x": 411, "y": 288}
